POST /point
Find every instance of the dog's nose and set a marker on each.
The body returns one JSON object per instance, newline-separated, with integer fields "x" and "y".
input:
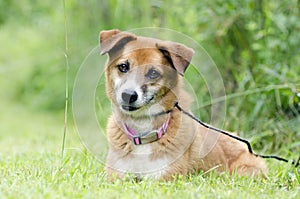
{"x": 129, "y": 96}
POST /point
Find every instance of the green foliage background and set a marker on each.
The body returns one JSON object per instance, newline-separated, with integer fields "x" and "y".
{"x": 254, "y": 43}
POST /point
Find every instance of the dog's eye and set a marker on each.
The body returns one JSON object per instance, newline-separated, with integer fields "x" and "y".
{"x": 124, "y": 67}
{"x": 153, "y": 74}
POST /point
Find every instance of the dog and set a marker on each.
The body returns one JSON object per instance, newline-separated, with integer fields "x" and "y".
{"x": 147, "y": 137}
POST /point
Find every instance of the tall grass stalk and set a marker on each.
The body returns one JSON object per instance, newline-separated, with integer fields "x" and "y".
{"x": 67, "y": 83}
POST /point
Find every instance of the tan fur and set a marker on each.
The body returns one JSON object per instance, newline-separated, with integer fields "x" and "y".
{"x": 186, "y": 147}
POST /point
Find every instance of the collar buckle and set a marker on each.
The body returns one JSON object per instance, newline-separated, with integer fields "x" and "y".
{"x": 145, "y": 138}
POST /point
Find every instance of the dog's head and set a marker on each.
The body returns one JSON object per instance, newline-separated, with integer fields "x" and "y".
{"x": 142, "y": 71}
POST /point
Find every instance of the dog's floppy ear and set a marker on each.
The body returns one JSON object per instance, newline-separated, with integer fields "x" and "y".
{"x": 177, "y": 54}
{"x": 111, "y": 40}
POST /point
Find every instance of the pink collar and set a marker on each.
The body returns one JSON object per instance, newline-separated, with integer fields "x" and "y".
{"x": 146, "y": 137}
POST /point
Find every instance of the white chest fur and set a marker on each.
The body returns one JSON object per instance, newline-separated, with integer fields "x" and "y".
{"x": 139, "y": 163}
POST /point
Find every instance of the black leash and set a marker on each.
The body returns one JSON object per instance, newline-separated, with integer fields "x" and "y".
{"x": 296, "y": 163}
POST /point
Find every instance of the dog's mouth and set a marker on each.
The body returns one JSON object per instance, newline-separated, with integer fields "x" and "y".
{"x": 129, "y": 108}
{"x": 132, "y": 108}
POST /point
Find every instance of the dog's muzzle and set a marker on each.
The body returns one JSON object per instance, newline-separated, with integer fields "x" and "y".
{"x": 129, "y": 97}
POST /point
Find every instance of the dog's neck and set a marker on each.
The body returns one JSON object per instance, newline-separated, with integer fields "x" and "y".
{"x": 142, "y": 122}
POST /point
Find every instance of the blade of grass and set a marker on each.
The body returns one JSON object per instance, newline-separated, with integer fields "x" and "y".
{"x": 248, "y": 92}
{"x": 67, "y": 83}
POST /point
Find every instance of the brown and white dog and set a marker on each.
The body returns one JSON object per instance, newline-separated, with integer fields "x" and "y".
{"x": 147, "y": 137}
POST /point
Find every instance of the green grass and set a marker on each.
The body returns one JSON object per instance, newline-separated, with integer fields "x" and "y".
{"x": 31, "y": 167}
{"x": 39, "y": 175}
